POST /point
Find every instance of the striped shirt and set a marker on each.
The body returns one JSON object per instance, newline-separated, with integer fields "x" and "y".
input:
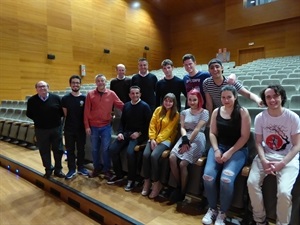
{"x": 214, "y": 90}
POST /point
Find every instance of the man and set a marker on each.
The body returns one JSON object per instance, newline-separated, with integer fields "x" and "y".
{"x": 97, "y": 122}
{"x": 169, "y": 84}
{"x": 194, "y": 78}
{"x": 212, "y": 86}
{"x": 147, "y": 83}
{"x": 277, "y": 137}
{"x": 45, "y": 110}
{"x": 133, "y": 130}
{"x": 73, "y": 107}
{"x": 121, "y": 84}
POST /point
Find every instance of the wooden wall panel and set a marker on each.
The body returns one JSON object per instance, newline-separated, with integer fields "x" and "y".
{"x": 76, "y": 32}
{"x": 202, "y": 34}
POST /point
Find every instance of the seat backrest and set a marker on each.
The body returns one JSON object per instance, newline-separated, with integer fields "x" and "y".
{"x": 290, "y": 90}
{"x": 251, "y": 82}
{"x": 294, "y": 75}
{"x": 257, "y": 89}
{"x": 291, "y": 81}
{"x": 270, "y": 81}
{"x": 294, "y": 102}
{"x": 261, "y": 77}
{"x": 278, "y": 76}
{"x": 246, "y": 102}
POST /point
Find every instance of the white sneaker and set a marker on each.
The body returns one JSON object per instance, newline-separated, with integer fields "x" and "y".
{"x": 210, "y": 216}
{"x": 220, "y": 219}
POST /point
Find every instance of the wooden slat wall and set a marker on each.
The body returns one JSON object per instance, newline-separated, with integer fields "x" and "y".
{"x": 203, "y": 33}
{"x": 76, "y": 32}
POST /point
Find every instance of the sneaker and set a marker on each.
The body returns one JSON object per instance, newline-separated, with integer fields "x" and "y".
{"x": 146, "y": 187}
{"x": 210, "y": 216}
{"x": 59, "y": 174}
{"x": 220, "y": 219}
{"x": 83, "y": 171}
{"x": 129, "y": 186}
{"x": 70, "y": 174}
{"x": 114, "y": 179}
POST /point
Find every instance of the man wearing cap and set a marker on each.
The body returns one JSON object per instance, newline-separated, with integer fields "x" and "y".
{"x": 212, "y": 86}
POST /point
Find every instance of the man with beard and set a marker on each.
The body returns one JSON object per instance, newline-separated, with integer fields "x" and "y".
{"x": 74, "y": 132}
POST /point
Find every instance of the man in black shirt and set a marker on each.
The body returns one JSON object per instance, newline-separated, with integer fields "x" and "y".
{"x": 45, "y": 110}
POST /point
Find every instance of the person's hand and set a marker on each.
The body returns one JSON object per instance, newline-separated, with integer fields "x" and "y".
{"x": 183, "y": 148}
{"x": 88, "y": 131}
{"x": 277, "y": 166}
{"x": 260, "y": 103}
{"x": 153, "y": 144}
{"x": 120, "y": 137}
{"x": 134, "y": 135}
{"x": 226, "y": 156}
{"x": 267, "y": 165}
{"x": 231, "y": 79}
{"x": 218, "y": 156}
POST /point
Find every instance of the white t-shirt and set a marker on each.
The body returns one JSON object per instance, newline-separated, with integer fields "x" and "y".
{"x": 277, "y": 132}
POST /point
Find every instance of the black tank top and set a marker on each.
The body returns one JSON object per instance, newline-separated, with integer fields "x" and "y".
{"x": 229, "y": 131}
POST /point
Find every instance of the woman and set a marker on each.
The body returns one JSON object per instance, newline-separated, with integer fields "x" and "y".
{"x": 191, "y": 146}
{"x": 162, "y": 133}
{"x": 229, "y": 133}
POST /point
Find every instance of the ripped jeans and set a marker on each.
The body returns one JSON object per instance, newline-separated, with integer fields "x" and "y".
{"x": 228, "y": 173}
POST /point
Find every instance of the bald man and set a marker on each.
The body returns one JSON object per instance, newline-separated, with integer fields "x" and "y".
{"x": 120, "y": 85}
{"x": 46, "y": 111}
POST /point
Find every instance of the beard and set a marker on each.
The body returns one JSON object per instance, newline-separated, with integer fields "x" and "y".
{"x": 75, "y": 90}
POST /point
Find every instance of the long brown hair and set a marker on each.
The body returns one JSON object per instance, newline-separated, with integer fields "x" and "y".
{"x": 173, "y": 111}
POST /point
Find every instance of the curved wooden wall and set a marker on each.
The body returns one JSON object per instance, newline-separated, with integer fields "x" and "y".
{"x": 228, "y": 25}
{"x": 77, "y": 32}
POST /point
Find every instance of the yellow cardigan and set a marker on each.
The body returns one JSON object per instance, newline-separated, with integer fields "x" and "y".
{"x": 162, "y": 129}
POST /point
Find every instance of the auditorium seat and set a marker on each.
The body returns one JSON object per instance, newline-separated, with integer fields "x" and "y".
{"x": 257, "y": 89}
{"x": 278, "y": 76}
{"x": 290, "y": 90}
{"x": 253, "y": 112}
{"x": 261, "y": 77}
{"x": 251, "y": 82}
{"x": 294, "y": 75}
{"x": 270, "y": 81}
{"x": 246, "y": 102}
{"x": 294, "y": 104}
{"x": 243, "y": 77}
{"x": 291, "y": 81}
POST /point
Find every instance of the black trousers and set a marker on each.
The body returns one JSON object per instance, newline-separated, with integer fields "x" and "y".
{"x": 48, "y": 139}
{"x": 75, "y": 140}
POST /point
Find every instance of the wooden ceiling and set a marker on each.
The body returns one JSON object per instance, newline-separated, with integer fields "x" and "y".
{"x": 179, "y": 7}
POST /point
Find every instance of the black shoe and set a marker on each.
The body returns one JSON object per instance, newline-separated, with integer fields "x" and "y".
{"x": 59, "y": 174}
{"x": 177, "y": 196}
{"x": 95, "y": 173}
{"x": 48, "y": 173}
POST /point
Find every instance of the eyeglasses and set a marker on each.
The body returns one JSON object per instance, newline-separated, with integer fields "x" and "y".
{"x": 42, "y": 86}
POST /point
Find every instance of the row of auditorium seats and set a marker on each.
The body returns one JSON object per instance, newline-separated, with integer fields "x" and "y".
{"x": 16, "y": 127}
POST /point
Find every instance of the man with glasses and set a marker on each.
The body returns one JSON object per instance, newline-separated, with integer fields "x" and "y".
{"x": 45, "y": 110}
{"x": 74, "y": 131}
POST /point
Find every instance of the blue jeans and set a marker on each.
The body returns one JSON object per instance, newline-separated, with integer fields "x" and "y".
{"x": 228, "y": 173}
{"x": 100, "y": 138}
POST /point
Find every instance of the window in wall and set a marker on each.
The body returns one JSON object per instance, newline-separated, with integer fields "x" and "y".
{"x": 251, "y": 3}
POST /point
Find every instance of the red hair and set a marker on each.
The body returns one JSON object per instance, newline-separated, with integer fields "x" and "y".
{"x": 198, "y": 95}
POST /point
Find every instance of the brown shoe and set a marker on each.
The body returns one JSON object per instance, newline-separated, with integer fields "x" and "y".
{"x": 146, "y": 187}
{"x": 94, "y": 173}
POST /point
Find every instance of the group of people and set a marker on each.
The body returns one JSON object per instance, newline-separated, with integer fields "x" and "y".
{"x": 150, "y": 113}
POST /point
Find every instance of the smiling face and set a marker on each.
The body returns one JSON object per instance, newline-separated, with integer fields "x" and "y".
{"x": 75, "y": 84}
{"x": 193, "y": 102}
{"x": 215, "y": 70}
{"x": 273, "y": 99}
{"x": 168, "y": 103}
{"x": 121, "y": 70}
{"x": 100, "y": 82}
{"x": 42, "y": 88}
{"x": 143, "y": 67}
{"x": 190, "y": 66}
{"x": 135, "y": 95}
